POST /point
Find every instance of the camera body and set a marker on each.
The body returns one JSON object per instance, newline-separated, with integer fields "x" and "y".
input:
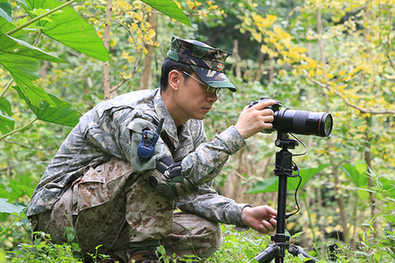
{"x": 298, "y": 121}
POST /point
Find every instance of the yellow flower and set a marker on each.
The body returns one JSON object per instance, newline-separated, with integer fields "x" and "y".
{"x": 191, "y": 4}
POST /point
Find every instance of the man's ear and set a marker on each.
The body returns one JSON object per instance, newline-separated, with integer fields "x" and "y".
{"x": 174, "y": 79}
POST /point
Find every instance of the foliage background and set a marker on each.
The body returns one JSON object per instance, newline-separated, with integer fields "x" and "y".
{"x": 334, "y": 56}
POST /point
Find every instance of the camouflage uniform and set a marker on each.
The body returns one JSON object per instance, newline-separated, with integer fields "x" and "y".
{"x": 97, "y": 184}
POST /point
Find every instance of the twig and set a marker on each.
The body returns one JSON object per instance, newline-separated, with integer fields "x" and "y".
{"x": 350, "y": 104}
{"x": 391, "y": 62}
{"x": 116, "y": 87}
{"x": 28, "y": 23}
{"x": 18, "y": 130}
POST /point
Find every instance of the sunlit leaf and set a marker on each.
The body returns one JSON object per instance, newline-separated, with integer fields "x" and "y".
{"x": 69, "y": 28}
{"x": 359, "y": 179}
{"x": 21, "y": 58}
{"x": 6, "y": 123}
{"x": 5, "y": 11}
{"x": 5, "y": 106}
{"x": 45, "y": 106}
{"x": 169, "y": 8}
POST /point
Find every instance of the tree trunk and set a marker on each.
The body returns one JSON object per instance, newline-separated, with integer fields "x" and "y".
{"x": 146, "y": 79}
{"x": 106, "y": 67}
{"x": 259, "y": 70}
{"x": 237, "y": 58}
{"x": 368, "y": 161}
{"x": 339, "y": 195}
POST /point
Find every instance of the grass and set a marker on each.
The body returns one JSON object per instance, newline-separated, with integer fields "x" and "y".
{"x": 238, "y": 246}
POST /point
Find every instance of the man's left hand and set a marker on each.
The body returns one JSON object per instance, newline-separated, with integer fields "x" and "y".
{"x": 261, "y": 218}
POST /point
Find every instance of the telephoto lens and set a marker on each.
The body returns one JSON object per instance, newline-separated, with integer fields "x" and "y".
{"x": 299, "y": 121}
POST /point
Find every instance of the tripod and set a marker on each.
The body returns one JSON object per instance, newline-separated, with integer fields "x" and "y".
{"x": 283, "y": 170}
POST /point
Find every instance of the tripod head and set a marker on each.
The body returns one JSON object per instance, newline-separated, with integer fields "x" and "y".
{"x": 284, "y": 142}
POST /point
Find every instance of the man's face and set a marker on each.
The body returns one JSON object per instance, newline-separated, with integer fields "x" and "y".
{"x": 193, "y": 100}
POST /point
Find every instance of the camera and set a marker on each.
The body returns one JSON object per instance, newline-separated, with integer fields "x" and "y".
{"x": 299, "y": 121}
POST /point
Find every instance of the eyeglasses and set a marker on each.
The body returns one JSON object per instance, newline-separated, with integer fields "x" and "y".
{"x": 210, "y": 91}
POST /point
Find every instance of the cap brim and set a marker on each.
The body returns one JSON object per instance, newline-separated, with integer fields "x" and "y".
{"x": 213, "y": 78}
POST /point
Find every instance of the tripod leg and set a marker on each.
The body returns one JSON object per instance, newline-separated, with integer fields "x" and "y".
{"x": 268, "y": 254}
{"x": 296, "y": 250}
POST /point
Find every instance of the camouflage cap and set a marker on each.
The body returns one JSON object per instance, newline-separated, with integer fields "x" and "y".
{"x": 206, "y": 61}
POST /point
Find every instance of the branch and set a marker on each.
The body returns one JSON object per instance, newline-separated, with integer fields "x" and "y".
{"x": 350, "y": 104}
{"x": 28, "y": 23}
{"x": 18, "y": 130}
{"x": 391, "y": 62}
{"x": 118, "y": 85}
{"x": 132, "y": 73}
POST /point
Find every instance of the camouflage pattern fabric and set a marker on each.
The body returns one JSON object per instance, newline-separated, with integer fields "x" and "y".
{"x": 111, "y": 207}
{"x": 206, "y": 61}
{"x": 84, "y": 170}
{"x": 110, "y": 130}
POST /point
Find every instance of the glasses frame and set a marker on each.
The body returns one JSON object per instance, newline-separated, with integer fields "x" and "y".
{"x": 210, "y": 91}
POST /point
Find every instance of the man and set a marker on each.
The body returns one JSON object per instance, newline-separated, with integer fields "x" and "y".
{"x": 132, "y": 160}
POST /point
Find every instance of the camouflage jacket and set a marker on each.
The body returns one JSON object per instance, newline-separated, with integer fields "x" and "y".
{"x": 108, "y": 131}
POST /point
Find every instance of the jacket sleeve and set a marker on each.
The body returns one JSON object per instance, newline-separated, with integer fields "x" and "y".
{"x": 203, "y": 164}
{"x": 207, "y": 203}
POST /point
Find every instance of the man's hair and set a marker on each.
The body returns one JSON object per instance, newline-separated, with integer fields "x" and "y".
{"x": 167, "y": 66}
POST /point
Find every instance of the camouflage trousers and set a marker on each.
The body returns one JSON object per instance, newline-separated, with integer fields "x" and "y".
{"x": 111, "y": 207}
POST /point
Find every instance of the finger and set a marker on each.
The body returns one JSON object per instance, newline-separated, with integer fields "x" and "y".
{"x": 264, "y": 104}
{"x": 273, "y": 222}
{"x": 267, "y": 225}
{"x": 269, "y": 118}
{"x": 270, "y": 211}
{"x": 267, "y": 112}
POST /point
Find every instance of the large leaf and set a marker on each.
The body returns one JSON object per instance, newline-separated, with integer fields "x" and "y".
{"x": 5, "y": 10}
{"x": 21, "y": 58}
{"x": 356, "y": 173}
{"x": 6, "y": 207}
{"x": 69, "y": 28}
{"x": 5, "y": 106}
{"x": 5, "y": 26}
{"x": 6, "y": 123}
{"x": 47, "y": 107}
{"x": 22, "y": 61}
{"x": 169, "y": 8}
{"x": 271, "y": 184}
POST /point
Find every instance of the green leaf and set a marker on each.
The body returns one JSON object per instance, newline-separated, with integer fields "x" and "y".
{"x": 5, "y": 106}
{"x": 7, "y": 124}
{"x": 5, "y": 11}
{"x": 69, "y": 28}
{"x": 45, "y": 106}
{"x": 22, "y": 2}
{"x": 21, "y": 58}
{"x": 6, "y": 207}
{"x": 169, "y": 8}
{"x": 360, "y": 179}
{"x": 5, "y": 26}
{"x": 387, "y": 187}
{"x": 271, "y": 184}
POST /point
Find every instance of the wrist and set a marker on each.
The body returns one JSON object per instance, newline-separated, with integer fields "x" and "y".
{"x": 245, "y": 215}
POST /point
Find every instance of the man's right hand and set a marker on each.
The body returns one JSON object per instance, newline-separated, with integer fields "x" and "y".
{"x": 255, "y": 119}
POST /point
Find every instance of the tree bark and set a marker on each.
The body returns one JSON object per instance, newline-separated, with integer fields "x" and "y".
{"x": 106, "y": 67}
{"x": 339, "y": 195}
{"x": 368, "y": 161}
{"x": 237, "y": 58}
{"x": 146, "y": 79}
